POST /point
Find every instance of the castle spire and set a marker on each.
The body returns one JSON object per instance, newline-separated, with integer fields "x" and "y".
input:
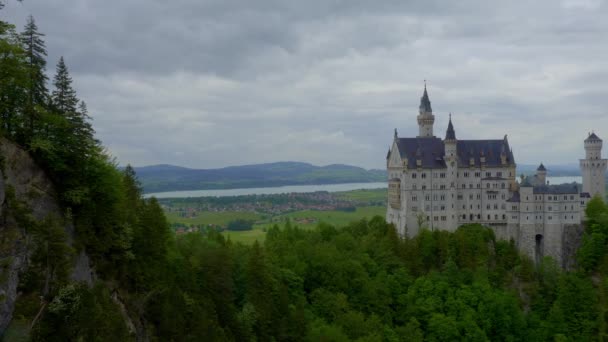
{"x": 425, "y": 118}
{"x": 450, "y": 133}
{"x": 425, "y": 103}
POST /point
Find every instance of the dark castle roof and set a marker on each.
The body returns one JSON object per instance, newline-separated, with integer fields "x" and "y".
{"x": 450, "y": 134}
{"x": 541, "y": 167}
{"x": 591, "y": 136}
{"x": 557, "y": 189}
{"x": 425, "y": 103}
{"x": 432, "y": 150}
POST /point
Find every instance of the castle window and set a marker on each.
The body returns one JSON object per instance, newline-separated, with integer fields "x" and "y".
{"x": 495, "y": 206}
{"x": 470, "y": 186}
{"x": 466, "y": 174}
{"x": 478, "y": 185}
{"x": 423, "y": 175}
{"x": 502, "y": 185}
{"x": 459, "y": 196}
{"x": 443, "y": 207}
{"x": 487, "y": 206}
{"x": 477, "y": 174}
{"x": 488, "y": 174}
{"x": 470, "y": 196}
{"x": 442, "y": 197}
{"x": 478, "y": 196}
{"x": 414, "y": 175}
{"x": 435, "y": 218}
{"x": 504, "y": 217}
{"x": 488, "y": 185}
{"x": 423, "y": 187}
{"x": 442, "y": 175}
{"x": 550, "y": 208}
{"x": 488, "y": 216}
{"x": 414, "y": 198}
{"x": 498, "y": 174}
{"x": 464, "y": 216}
{"x": 414, "y": 186}
{"x": 479, "y": 216}
{"x": 496, "y": 216}
{"x": 442, "y": 187}
{"x": 427, "y": 197}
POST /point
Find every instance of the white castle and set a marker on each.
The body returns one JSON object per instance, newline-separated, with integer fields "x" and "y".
{"x": 442, "y": 184}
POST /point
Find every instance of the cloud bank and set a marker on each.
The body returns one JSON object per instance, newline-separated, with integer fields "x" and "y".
{"x": 215, "y": 83}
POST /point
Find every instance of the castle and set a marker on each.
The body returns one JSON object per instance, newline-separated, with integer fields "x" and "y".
{"x": 442, "y": 184}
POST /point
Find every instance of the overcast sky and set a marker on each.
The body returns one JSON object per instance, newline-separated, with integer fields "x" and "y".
{"x": 214, "y": 83}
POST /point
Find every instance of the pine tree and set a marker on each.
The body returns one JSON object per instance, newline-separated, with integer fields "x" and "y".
{"x": 13, "y": 80}
{"x": 35, "y": 50}
{"x": 64, "y": 96}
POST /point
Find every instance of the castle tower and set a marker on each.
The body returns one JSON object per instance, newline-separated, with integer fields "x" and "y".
{"x": 593, "y": 167}
{"x": 451, "y": 163}
{"x": 541, "y": 174}
{"x": 425, "y": 116}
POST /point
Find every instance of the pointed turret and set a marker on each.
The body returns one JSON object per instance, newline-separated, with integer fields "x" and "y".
{"x": 450, "y": 134}
{"x": 426, "y": 119}
{"x": 425, "y": 103}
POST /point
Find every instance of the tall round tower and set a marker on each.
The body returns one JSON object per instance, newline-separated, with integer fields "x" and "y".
{"x": 426, "y": 119}
{"x": 593, "y": 167}
{"x": 541, "y": 174}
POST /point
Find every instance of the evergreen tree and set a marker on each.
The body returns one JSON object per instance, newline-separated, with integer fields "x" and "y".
{"x": 13, "y": 80}
{"x": 35, "y": 51}
{"x": 64, "y": 96}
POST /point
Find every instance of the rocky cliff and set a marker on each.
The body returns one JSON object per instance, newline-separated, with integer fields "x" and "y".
{"x": 26, "y": 195}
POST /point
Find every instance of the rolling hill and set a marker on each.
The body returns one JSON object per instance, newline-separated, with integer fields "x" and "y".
{"x": 159, "y": 178}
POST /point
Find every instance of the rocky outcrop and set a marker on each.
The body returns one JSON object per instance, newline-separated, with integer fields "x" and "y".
{"x": 572, "y": 239}
{"x": 26, "y": 195}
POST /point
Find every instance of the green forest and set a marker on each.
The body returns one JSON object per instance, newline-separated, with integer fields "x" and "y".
{"x": 357, "y": 282}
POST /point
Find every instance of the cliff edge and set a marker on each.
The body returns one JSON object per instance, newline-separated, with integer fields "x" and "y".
{"x": 27, "y": 196}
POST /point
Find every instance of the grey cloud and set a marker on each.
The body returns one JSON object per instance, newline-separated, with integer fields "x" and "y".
{"x": 214, "y": 83}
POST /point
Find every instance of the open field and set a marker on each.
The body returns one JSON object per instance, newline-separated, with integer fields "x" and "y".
{"x": 216, "y": 218}
{"x": 364, "y": 195}
{"x": 305, "y": 219}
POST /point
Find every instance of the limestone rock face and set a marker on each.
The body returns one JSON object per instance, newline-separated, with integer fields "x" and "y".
{"x": 21, "y": 180}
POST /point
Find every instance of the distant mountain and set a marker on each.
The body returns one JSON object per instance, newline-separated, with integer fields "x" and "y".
{"x": 158, "y": 178}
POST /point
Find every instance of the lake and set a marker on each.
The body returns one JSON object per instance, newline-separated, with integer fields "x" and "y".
{"x": 303, "y": 188}
{"x": 267, "y": 191}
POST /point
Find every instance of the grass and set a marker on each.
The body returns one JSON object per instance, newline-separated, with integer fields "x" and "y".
{"x": 363, "y": 195}
{"x": 334, "y": 217}
{"x": 218, "y": 218}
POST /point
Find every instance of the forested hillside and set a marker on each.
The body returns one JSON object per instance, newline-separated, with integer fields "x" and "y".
{"x": 358, "y": 282}
{"x": 158, "y": 178}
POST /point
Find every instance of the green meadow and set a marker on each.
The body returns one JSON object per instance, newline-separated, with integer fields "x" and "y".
{"x": 333, "y": 217}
